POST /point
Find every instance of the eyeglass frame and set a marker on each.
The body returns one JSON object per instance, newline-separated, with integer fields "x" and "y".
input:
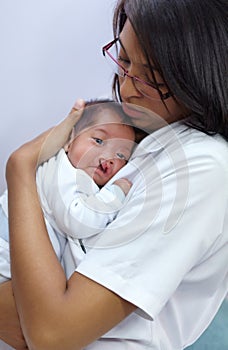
{"x": 105, "y": 48}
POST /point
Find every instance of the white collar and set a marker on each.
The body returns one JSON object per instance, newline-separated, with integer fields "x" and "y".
{"x": 160, "y": 139}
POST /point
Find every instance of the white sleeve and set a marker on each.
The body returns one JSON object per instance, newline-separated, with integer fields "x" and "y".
{"x": 73, "y": 203}
{"x": 58, "y": 242}
{"x": 5, "y": 273}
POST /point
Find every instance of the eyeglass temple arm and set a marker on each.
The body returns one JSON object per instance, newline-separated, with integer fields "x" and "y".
{"x": 107, "y": 46}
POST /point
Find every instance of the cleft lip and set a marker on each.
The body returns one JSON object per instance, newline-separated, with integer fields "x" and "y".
{"x": 103, "y": 166}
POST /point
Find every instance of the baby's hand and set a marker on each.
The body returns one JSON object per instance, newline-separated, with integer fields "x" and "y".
{"x": 124, "y": 184}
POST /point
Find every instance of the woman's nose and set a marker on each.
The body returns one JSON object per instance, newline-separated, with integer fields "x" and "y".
{"x": 127, "y": 88}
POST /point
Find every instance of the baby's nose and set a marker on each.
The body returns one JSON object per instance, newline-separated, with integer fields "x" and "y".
{"x": 106, "y": 162}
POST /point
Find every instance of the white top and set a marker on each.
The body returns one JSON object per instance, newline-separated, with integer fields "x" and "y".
{"x": 72, "y": 203}
{"x": 166, "y": 252}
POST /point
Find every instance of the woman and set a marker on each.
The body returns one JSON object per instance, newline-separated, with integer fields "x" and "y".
{"x": 159, "y": 274}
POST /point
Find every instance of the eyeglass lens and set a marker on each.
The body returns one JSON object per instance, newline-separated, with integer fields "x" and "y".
{"x": 120, "y": 67}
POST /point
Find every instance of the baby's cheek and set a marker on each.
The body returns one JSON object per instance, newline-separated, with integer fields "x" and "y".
{"x": 119, "y": 164}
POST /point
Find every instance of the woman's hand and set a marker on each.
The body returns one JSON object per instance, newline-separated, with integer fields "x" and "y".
{"x": 23, "y": 162}
{"x": 10, "y": 330}
{"x": 30, "y": 155}
{"x": 59, "y": 135}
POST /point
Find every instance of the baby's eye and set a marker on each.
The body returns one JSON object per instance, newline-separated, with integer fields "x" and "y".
{"x": 121, "y": 156}
{"x": 98, "y": 141}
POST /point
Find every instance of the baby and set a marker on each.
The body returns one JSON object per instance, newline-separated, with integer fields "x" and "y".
{"x": 75, "y": 202}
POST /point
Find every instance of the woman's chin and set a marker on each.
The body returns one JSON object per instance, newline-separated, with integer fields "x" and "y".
{"x": 143, "y": 118}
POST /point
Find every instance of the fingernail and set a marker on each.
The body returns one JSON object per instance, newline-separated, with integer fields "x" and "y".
{"x": 79, "y": 103}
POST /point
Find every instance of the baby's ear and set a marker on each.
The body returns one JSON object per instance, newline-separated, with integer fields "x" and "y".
{"x": 71, "y": 138}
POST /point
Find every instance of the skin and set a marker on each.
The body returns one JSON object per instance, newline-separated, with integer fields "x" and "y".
{"x": 102, "y": 149}
{"x": 44, "y": 297}
{"x": 10, "y": 330}
{"x": 163, "y": 114}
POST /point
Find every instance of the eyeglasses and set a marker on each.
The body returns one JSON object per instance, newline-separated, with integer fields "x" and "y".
{"x": 148, "y": 89}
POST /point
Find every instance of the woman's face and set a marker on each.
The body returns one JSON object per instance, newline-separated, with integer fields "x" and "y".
{"x": 131, "y": 55}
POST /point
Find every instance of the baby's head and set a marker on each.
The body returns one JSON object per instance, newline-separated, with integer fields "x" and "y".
{"x": 102, "y": 140}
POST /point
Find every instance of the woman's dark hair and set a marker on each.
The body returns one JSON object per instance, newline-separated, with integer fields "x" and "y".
{"x": 187, "y": 40}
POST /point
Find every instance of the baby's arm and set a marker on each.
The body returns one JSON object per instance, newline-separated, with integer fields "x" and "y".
{"x": 84, "y": 212}
{"x": 5, "y": 273}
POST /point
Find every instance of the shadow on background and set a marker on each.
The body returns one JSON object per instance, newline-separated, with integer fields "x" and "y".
{"x": 216, "y": 335}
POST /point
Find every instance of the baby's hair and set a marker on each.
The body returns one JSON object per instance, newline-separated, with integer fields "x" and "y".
{"x": 94, "y": 106}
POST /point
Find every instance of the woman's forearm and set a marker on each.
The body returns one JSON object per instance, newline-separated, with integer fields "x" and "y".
{"x": 31, "y": 250}
{"x": 10, "y": 330}
{"x": 27, "y": 227}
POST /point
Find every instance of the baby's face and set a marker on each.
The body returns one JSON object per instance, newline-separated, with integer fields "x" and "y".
{"x": 102, "y": 149}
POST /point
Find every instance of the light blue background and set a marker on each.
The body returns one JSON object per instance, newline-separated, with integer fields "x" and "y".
{"x": 216, "y": 335}
{"x": 50, "y": 55}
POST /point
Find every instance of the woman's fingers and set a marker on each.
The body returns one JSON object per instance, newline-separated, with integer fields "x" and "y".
{"x": 59, "y": 135}
{"x": 30, "y": 155}
{"x": 79, "y": 104}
